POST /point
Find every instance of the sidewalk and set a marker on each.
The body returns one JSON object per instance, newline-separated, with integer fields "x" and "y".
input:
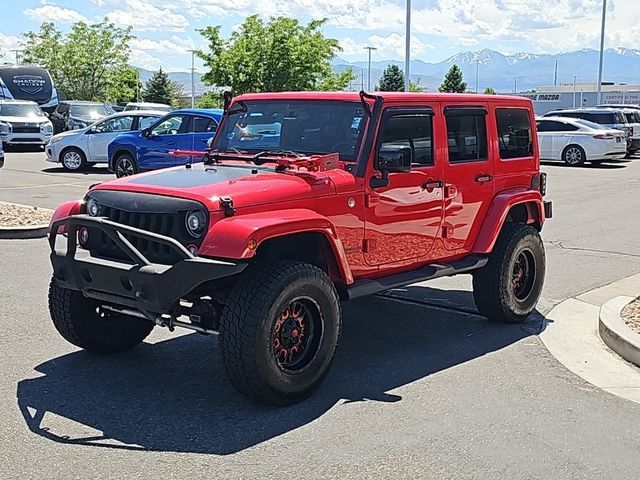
{"x": 571, "y": 336}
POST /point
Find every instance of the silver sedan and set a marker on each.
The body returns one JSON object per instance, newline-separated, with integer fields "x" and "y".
{"x": 76, "y": 149}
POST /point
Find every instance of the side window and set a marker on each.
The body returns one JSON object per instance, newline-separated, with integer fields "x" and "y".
{"x": 146, "y": 122}
{"x": 119, "y": 124}
{"x": 170, "y": 126}
{"x": 514, "y": 133}
{"x": 412, "y": 130}
{"x": 203, "y": 125}
{"x": 467, "y": 135}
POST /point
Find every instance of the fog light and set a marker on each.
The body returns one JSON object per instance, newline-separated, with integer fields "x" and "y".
{"x": 83, "y": 236}
{"x": 193, "y": 250}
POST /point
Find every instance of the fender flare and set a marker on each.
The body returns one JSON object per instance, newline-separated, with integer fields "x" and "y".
{"x": 66, "y": 209}
{"x": 121, "y": 149}
{"x": 497, "y": 215}
{"x": 229, "y": 237}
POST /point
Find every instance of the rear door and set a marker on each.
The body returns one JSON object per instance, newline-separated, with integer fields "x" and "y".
{"x": 103, "y": 134}
{"x": 469, "y": 174}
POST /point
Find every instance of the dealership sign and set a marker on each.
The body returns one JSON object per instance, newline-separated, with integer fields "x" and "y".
{"x": 30, "y": 84}
{"x": 543, "y": 97}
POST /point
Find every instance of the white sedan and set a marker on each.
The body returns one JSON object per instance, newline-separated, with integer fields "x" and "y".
{"x": 575, "y": 141}
{"x": 76, "y": 149}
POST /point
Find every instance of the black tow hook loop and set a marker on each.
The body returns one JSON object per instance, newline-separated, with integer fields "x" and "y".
{"x": 227, "y": 206}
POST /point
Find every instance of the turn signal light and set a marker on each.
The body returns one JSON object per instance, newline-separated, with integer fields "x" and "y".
{"x": 603, "y": 137}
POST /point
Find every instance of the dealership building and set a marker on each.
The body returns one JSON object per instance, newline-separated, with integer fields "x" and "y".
{"x": 546, "y": 99}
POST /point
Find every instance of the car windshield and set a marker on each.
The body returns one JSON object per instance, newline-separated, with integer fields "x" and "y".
{"x": 17, "y": 110}
{"x": 301, "y": 126}
{"x": 632, "y": 117}
{"x": 91, "y": 111}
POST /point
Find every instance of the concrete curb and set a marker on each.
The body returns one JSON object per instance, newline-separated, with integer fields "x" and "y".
{"x": 22, "y": 233}
{"x": 615, "y": 333}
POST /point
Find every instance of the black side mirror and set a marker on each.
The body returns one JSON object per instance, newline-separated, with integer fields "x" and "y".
{"x": 395, "y": 158}
{"x": 145, "y": 132}
{"x": 392, "y": 158}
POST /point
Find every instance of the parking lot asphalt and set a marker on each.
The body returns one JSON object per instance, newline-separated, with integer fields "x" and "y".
{"x": 421, "y": 388}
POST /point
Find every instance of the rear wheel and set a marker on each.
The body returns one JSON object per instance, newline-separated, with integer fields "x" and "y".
{"x": 79, "y": 320}
{"x": 574, "y": 156}
{"x": 279, "y": 332}
{"x": 507, "y": 289}
{"x": 73, "y": 159}
{"x": 124, "y": 165}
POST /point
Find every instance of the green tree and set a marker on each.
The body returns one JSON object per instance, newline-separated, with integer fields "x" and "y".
{"x": 160, "y": 89}
{"x": 453, "y": 81}
{"x": 211, "y": 100}
{"x": 273, "y": 56}
{"x": 392, "y": 80}
{"x": 415, "y": 87}
{"x": 86, "y": 62}
{"x": 490, "y": 91}
{"x": 124, "y": 85}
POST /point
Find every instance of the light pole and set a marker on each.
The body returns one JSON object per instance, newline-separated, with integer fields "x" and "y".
{"x": 515, "y": 84}
{"x": 407, "y": 53}
{"x": 477, "y": 72}
{"x": 369, "y": 70}
{"x": 16, "y": 51}
{"x": 574, "y": 92}
{"x": 193, "y": 83}
{"x": 604, "y": 15}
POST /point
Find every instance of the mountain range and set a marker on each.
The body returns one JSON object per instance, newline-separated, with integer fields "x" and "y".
{"x": 522, "y": 71}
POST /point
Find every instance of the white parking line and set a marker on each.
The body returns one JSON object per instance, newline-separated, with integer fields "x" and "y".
{"x": 43, "y": 185}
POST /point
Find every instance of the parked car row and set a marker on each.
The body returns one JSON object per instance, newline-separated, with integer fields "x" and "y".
{"x": 594, "y": 135}
{"x": 135, "y": 140}
{"x": 22, "y": 122}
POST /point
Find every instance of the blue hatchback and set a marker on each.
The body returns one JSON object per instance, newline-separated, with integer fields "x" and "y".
{"x": 149, "y": 149}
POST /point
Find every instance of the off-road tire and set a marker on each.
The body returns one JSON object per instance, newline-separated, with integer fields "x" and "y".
{"x": 77, "y": 320}
{"x": 247, "y": 331}
{"x": 493, "y": 290}
{"x": 125, "y": 165}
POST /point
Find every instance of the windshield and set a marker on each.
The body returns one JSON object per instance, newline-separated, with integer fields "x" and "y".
{"x": 595, "y": 126}
{"x": 91, "y": 111}
{"x": 301, "y": 126}
{"x": 17, "y": 110}
{"x": 632, "y": 117}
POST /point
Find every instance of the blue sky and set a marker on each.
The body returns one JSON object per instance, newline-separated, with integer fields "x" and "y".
{"x": 440, "y": 28}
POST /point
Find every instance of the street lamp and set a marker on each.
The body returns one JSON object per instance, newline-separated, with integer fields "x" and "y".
{"x": 369, "y": 71}
{"x": 16, "y": 51}
{"x": 193, "y": 83}
{"x": 515, "y": 84}
{"x": 604, "y": 15}
{"x": 574, "y": 92}
{"x": 407, "y": 53}
{"x": 477, "y": 72}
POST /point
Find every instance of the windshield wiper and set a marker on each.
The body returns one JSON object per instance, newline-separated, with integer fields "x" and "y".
{"x": 279, "y": 152}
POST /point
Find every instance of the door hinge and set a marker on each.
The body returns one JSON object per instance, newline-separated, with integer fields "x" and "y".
{"x": 369, "y": 245}
{"x": 371, "y": 200}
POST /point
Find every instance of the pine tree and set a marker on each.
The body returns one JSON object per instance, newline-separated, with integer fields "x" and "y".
{"x": 453, "y": 81}
{"x": 160, "y": 89}
{"x": 392, "y": 80}
{"x": 490, "y": 91}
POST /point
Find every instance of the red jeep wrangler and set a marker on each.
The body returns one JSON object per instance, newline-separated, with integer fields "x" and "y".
{"x": 305, "y": 200}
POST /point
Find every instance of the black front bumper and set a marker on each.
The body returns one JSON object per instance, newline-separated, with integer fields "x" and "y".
{"x": 141, "y": 284}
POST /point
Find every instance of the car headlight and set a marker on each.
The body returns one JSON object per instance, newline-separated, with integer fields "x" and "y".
{"x": 56, "y": 138}
{"x": 46, "y": 128}
{"x": 5, "y": 128}
{"x": 195, "y": 222}
{"x": 93, "y": 207}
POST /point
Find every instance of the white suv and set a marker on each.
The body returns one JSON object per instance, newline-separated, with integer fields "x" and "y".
{"x": 23, "y": 123}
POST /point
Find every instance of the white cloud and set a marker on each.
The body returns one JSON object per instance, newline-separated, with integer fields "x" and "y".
{"x": 170, "y": 46}
{"x": 54, "y": 13}
{"x": 393, "y": 45}
{"x": 8, "y": 43}
{"x": 141, "y": 15}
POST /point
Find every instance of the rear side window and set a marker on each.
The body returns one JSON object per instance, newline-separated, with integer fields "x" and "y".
{"x": 514, "y": 132}
{"x": 204, "y": 125}
{"x": 410, "y": 130}
{"x": 553, "y": 126}
{"x": 466, "y": 135}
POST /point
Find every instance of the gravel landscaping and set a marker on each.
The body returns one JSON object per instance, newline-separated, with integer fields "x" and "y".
{"x": 631, "y": 315}
{"x": 15, "y": 216}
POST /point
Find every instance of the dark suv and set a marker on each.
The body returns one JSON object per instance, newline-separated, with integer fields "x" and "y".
{"x": 76, "y": 114}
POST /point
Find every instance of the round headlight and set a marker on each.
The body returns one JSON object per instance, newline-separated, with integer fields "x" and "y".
{"x": 195, "y": 222}
{"x": 93, "y": 207}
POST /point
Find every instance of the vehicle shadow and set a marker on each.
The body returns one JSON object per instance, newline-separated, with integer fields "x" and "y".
{"x": 93, "y": 170}
{"x": 613, "y": 165}
{"x": 174, "y": 395}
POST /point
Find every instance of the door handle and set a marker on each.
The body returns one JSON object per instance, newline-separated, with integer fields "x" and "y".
{"x": 483, "y": 178}
{"x": 171, "y": 143}
{"x": 430, "y": 185}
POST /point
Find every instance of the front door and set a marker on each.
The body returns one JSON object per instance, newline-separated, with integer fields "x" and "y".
{"x": 403, "y": 218}
{"x": 169, "y": 135}
{"x": 103, "y": 134}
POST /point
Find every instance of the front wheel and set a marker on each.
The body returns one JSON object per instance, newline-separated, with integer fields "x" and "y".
{"x": 73, "y": 159}
{"x": 507, "y": 289}
{"x": 279, "y": 332}
{"x": 81, "y": 322}
{"x": 124, "y": 165}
